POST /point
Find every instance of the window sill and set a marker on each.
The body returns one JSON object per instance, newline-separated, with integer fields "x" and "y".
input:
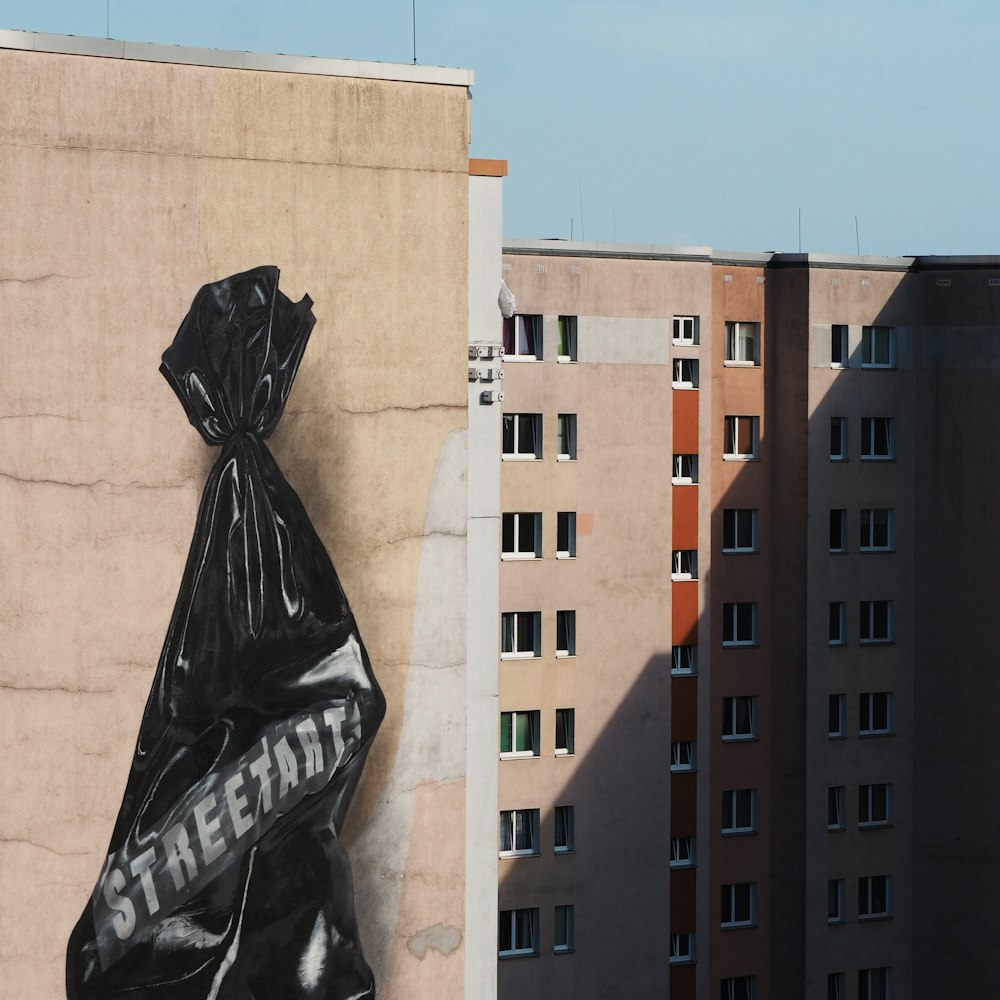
{"x": 564, "y": 753}
{"x": 839, "y": 458}
{"x": 522, "y": 358}
{"x": 683, "y": 673}
{"x": 740, "y": 552}
{"x": 565, "y": 458}
{"x": 876, "y": 642}
{"x": 565, "y": 655}
{"x": 683, "y": 385}
{"x": 740, "y": 458}
{"x": 887, "y": 825}
{"x": 682, "y": 577}
{"x": 519, "y": 656}
{"x": 740, "y": 739}
{"x": 514, "y": 457}
{"x": 867, "y": 918}
{"x": 684, "y": 481}
{"x": 507, "y": 855}
{"x": 876, "y": 552}
{"x": 519, "y": 557}
{"x": 878, "y": 458}
{"x": 740, "y": 645}
{"x": 875, "y": 735}
{"x": 562, "y": 950}
{"x": 838, "y": 366}
{"x": 739, "y": 833}
{"x": 740, "y": 364}
{"x": 835, "y": 921}
{"x": 683, "y": 770}
{"x": 682, "y": 961}
{"x": 564, "y": 555}
{"x": 836, "y": 643}
{"x": 838, "y": 552}
{"x": 835, "y": 737}
{"x": 565, "y": 359}
{"x": 836, "y": 829}
{"x": 517, "y": 954}
{"x": 562, "y": 850}
{"x": 681, "y": 865}
{"x": 518, "y": 755}
{"x": 738, "y": 927}
{"x": 871, "y": 367}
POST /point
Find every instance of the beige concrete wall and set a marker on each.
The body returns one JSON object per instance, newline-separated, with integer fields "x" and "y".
{"x": 124, "y": 186}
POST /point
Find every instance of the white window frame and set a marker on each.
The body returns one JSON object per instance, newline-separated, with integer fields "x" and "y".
{"x": 533, "y": 726}
{"x": 731, "y": 616}
{"x": 686, "y": 373}
{"x": 682, "y": 947}
{"x": 869, "y": 611}
{"x": 565, "y": 634}
{"x": 686, "y": 331}
{"x": 872, "y": 800}
{"x": 839, "y": 427}
{"x": 870, "y": 337}
{"x": 682, "y": 852}
{"x": 732, "y": 438}
{"x": 735, "y": 344}
{"x": 836, "y": 901}
{"x": 838, "y": 530}
{"x": 569, "y": 732}
{"x": 513, "y": 346}
{"x": 520, "y": 829}
{"x": 684, "y": 564}
{"x": 514, "y": 624}
{"x": 567, "y": 327}
{"x": 684, "y": 660}
{"x": 523, "y": 932}
{"x": 734, "y": 801}
{"x": 868, "y": 986}
{"x": 869, "y": 530}
{"x": 739, "y": 898}
{"x": 734, "y": 524}
{"x": 836, "y": 819}
{"x": 685, "y": 471}
{"x": 514, "y": 420}
{"x": 739, "y": 718}
{"x": 837, "y": 636}
{"x": 873, "y": 704}
{"x": 565, "y": 910}
{"x": 838, "y": 345}
{"x": 836, "y": 725}
{"x": 514, "y": 520}
{"x": 683, "y": 755}
{"x": 566, "y": 437}
{"x": 869, "y": 888}
{"x": 566, "y": 816}
{"x": 869, "y": 426}
{"x": 567, "y": 518}
{"x": 739, "y": 988}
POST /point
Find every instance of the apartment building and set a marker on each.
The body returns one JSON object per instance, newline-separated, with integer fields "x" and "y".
{"x": 745, "y": 563}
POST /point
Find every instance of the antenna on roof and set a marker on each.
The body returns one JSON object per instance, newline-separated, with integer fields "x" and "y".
{"x": 414, "y": 5}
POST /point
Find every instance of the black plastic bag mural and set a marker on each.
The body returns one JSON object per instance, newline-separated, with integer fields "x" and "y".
{"x": 225, "y": 877}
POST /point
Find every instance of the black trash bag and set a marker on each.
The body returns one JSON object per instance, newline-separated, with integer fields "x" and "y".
{"x": 225, "y": 877}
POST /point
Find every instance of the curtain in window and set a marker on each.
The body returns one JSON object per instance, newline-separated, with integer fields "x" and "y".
{"x": 526, "y": 436}
{"x": 527, "y": 335}
{"x": 562, "y": 831}
{"x": 506, "y": 733}
{"x": 525, "y": 739}
{"x": 523, "y": 839}
{"x": 506, "y": 833}
{"x": 507, "y": 629}
{"x": 567, "y": 434}
{"x": 508, "y": 335}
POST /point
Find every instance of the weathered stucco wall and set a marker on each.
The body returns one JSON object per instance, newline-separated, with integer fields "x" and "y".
{"x": 124, "y": 186}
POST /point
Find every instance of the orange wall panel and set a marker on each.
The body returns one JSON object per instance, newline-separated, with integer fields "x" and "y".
{"x": 684, "y": 708}
{"x": 685, "y": 517}
{"x": 686, "y": 421}
{"x": 684, "y": 604}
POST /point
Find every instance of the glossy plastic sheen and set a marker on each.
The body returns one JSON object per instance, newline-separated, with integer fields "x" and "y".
{"x": 225, "y": 877}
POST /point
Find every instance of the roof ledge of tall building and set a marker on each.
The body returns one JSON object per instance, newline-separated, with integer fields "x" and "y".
{"x": 112, "y": 48}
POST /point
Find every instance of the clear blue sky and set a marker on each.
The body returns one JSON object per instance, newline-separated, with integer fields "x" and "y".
{"x": 710, "y": 122}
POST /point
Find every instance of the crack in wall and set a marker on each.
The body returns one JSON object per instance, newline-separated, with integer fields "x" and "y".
{"x": 44, "y": 847}
{"x": 91, "y": 485}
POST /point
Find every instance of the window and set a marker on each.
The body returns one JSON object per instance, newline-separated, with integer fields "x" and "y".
{"x": 835, "y": 986}
{"x": 739, "y": 904}
{"x": 566, "y": 534}
{"x": 682, "y": 756}
{"x": 519, "y": 734}
{"x": 835, "y": 901}
{"x": 878, "y": 442}
{"x": 876, "y": 529}
{"x": 875, "y": 713}
{"x": 565, "y": 718}
{"x": 685, "y": 469}
{"x": 566, "y": 438}
{"x": 739, "y": 624}
{"x": 742, "y": 343}
{"x": 522, "y": 536}
{"x": 875, "y": 984}
{"x": 681, "y": 948}
{"x": 874, "y": 805}
{"x": 838, "y": 623}
{"x": 878, "y": 347}
{"x": 739, "y": 529}
{"x": 838, "y": 439}
{"x": 684, "y": 660}
{"x": 685, "y": 564}
{"x": 739, "y": 988}
{"x": 686, "y": 330}
{"x": 565, "y": 633}
{"x": 563, "y": 939}
{"x": 739, "y": 718}
{"x": 520, "y": 634}
{"x": 685, "y": 373}
{"x": 564, "y": 830}
{"x": 838, "y": 345}
{"x": 739, "y": 811}
{"x": 835, "y": 808}
{"x": 681, "y": 852}
{"x": 836, "y": 727}
{"x": 522, "y": 338}
{"x": 838, "y": 530}
{"x": 518, "y": 932}
{"x": 874, "y": 893}
{"x": 741, "y": 438}
{"x": 522, "y": 436}
{"x": 567, "y": 338}
{"x": 518, "y": 832}
{"x": 876, "y": 621}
